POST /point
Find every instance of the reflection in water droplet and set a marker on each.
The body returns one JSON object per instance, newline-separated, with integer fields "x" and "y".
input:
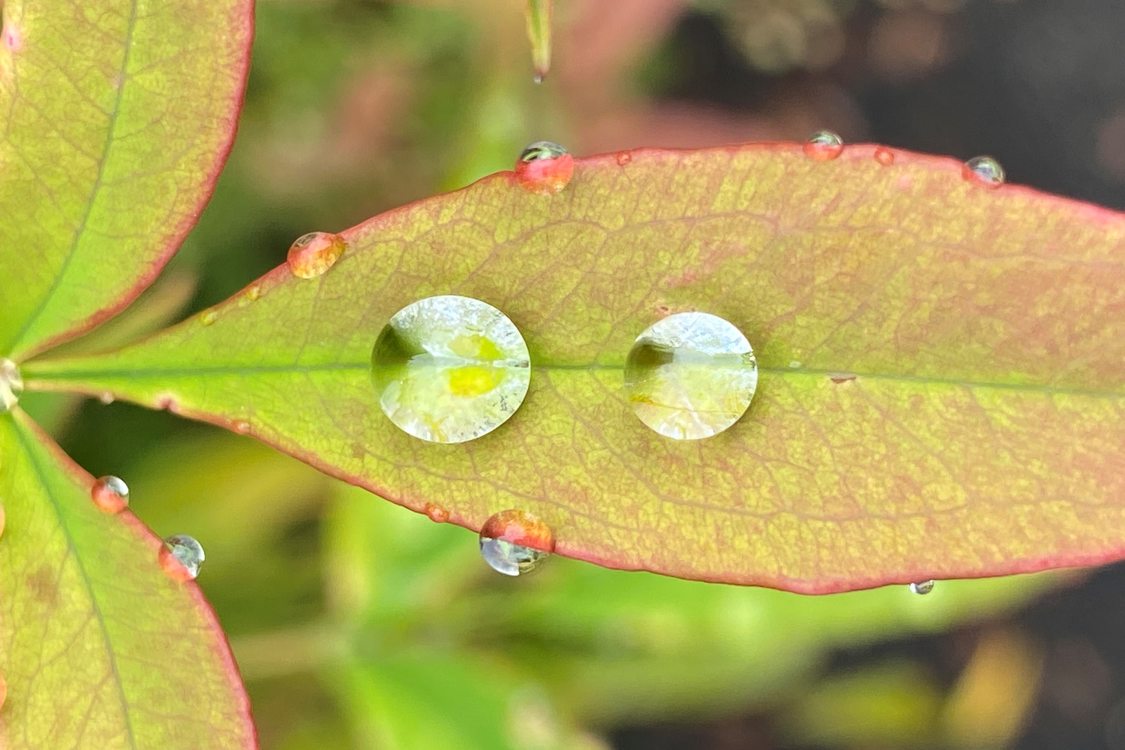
{"x": 449, "y": 369}
{"x": 984, "y": 170}
{"x": 181, "y": 557}
{"x": 691, "y": 375}
{"x": 312, "y": 254}
{"x": 884, "y": 156}
{"x": 110, "y": 493}
{"x": 544, "y": 167}
{"x": 824, "y": 145}
{"x": 514, "y": 543}
{"x": 922, "y": 587}
{"x": 11, "y": 385}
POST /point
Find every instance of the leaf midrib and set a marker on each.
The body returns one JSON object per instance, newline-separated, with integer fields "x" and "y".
{"x": 32, "y": 381}
{"x": 111, "y": 132}
{"x": 42, "y": 475}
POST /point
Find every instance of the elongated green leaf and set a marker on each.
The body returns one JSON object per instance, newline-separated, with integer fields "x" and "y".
{"x": 118, "y": 115}
{"x": 99, "y": 647}
{"x": 940, "y": 390}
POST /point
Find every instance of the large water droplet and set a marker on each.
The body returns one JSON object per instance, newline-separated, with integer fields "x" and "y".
{"x": 110, "y": 493}
{"x": 514, "y": 543}
{"x": 922, "y": 587}
{"x": 824, "y": 145}
{"x": 449, "y": 369}
{"x": 544, "y": 167}
{"x": 181, "y": 557}
{"x": 691, "y": 375}
{"x": 984, "y": 170}
{"x": 11, "y": 385}
{"x": 312, "y": 254}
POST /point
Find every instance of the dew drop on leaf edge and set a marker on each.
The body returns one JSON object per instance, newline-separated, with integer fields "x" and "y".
{"x": 181, "y": 557}
{"x": 312, "y": 254}
{"x": 11, "y": 385}
{"x": 514, "y": 543}
{"x": 922, "y": 587}
{"x": 448, "y": 369}
{"x": 110, "y": 493}
{"x": 544, "y": 167}
{"x": 690, "y": 376}
{"x": 824, "y": 145}
{"x": 984, "y": 170}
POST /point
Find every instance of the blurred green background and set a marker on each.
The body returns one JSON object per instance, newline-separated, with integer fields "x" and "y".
{"x": 362, "y": 625}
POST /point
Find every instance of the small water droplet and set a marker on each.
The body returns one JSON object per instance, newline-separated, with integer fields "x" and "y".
{"x": 253, "y": 292}
{"x": 106, "y": 397}
{"x": 544, "y": 167}
{"x": 984, "y": 170}
{"x": 884, "y": 156}
{"x": 110, "y": 493}
{"x": 824, "y": 145}
{"x": 241, "y": 426}
{"x": 922, "y": 587}
{"x": 449, "y": 369}
{"x": 691, "y": 375}
{"x": 514, "y": 543}
{"x": 11, "y": 385}
{"x": 312, "y": 254}
{"x": 538, "y": 78}
{"x": 208, "y": 317}
{"x": 437, "y": 513}
{"x": 181, "y": 557}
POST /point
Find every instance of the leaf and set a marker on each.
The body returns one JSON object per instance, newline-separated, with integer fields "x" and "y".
{"x": 118, "y": 117}
{"x": 940, "y": 391}
{"x": 100, "y": 647}
{"x": 539, "y": 34}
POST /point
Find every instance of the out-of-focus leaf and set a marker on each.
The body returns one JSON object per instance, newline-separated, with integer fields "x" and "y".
{"x": 539, "y": 34}
{"x": 118, "y": 117}
{"x": 100, "y": 647}
{"x": 940, "y": 395}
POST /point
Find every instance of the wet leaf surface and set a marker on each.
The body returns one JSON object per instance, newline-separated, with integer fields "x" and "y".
{"x": 100, "y": 647}
{"x": 940, "y": 389}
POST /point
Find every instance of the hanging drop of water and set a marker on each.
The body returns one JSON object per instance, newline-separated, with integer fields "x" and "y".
{"x": 514, "y": 543}
{"x": 312, "y": 254}
{"x": 110, "y": 493}
{"x": 11, "y": 385}
{"x": 449, "y": 369}
{"x": 691, "y": 375}
{"x": 922, "y": 587}
{"x": 181, "y": 557}
{"x": 544, "y": 167}
{"x": 824, "y": 145}
{"x": 984, "y": 170}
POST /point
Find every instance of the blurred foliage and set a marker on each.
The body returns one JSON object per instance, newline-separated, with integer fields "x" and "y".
{"x": 360, "y": 624}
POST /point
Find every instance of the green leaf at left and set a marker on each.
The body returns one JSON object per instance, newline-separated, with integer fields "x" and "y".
{"x": 98, "y": 647}
{"x": 116, "y": 118}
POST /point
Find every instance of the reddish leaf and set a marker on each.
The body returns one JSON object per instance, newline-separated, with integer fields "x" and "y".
{"x": 941, "y": 391}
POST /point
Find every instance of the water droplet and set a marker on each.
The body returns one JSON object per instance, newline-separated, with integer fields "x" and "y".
{"x": 437, "y": 513}
{"x": 984, "y": 170}
{"x": 514, "y": 543}
{"x": 181, "y": 557}
{"x": 544, "y": 167}
{"x": 449, "y": 369}
{"x": 106, "y": 397}
{"x": 241, "y": 426}
{"x": 884, "y": 156}
{"x": 312, "y": 254}
{"x": 110, "y": 493}
{"x": 11, "y": 385}
{"x": 208, "y": 317}
{"x": 922, "y": 587}
{"x": 691, "y": 375}
{"x": 824, "y": 145}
